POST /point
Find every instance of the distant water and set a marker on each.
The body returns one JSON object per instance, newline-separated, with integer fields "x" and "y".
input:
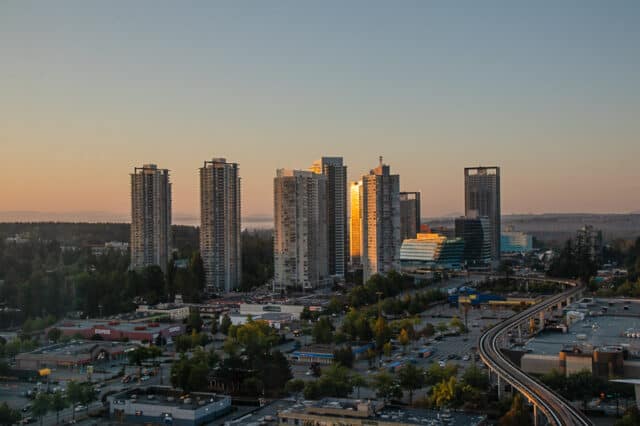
{"x": 249, "y": 222}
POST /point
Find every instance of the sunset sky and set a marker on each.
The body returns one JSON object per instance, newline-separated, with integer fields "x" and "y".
{"x": 548, "y": 90}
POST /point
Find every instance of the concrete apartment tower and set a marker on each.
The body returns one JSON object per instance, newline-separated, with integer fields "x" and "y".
{"x": 482, "y": 198}
{"x": 300, "y": 238}
{"x": 380, "y": 231}
{"x": 409, "y": 215}
{"x": 336, "y": 206}
{"x": 150, "y": 217}
{"x": 355, "y": 226}
{"x": 220, "y": 225}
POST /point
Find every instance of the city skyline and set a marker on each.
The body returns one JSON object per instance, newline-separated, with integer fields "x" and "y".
{"x": 548, "y": 91}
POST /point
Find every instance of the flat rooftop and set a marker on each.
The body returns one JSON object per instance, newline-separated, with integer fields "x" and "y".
{"x": 387, "y": 414}
{"x": 76, "y": 347}
{"x": 115, "y": 325}
{"x": 598, "y": 328}
{"x": 167, "y": 397}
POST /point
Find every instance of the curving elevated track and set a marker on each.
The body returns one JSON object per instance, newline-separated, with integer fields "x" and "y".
{"x": 557, "y": 410}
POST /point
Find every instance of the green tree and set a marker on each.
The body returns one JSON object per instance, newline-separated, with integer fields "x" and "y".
{"x": 88, "y": 395}
{"x": 386, "y": 386}
{"x": 403, "y": 339}
{"x": 8, "y": 416}
{"x": 323, "y": 330}
{"x": 411, "y": 379}
{"x": 335, "y": 381}
{"x": 428, "y": 330}
{"x": 343, "y": 356}
{"x": 518, "y": 415}
{"x": 58, "y": 403}
{"x": 457, "y": 323}
{"x": 387, "y": 348}
{"x": 436, "y": 374}
{"x": 214, "y": 326}
{"x": 41, "y": 406}
{"x": 357, "y": 381}
{"x": 382, "y": 332}
{"x": 444, "y": 392}
{"x": 475, "y": 377}
{"x": 74, "y": 395}
{"x": 294, "y": 386}
{"x": 194, "y": 322}
{"x": 54, "y": 334}
{"x": 225, "y": 324}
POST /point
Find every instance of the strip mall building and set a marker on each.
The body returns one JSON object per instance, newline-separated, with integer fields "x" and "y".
{"x": 119, "y": 331}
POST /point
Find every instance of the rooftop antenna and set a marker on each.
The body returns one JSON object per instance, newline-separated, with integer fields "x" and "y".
{"x": 380, "y": 160}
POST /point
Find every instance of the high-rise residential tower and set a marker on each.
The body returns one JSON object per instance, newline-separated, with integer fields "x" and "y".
{"x": 300, "y": 236}
{"x": 150, "y": 217}
{"x": 380, "y": 232}
{"x": 482, "y": 195}
{"x": 409, "y": 215}
{"x": 220, "y": 225}
{"x": 336, "y": 205}
{"x": 355, "y": 226}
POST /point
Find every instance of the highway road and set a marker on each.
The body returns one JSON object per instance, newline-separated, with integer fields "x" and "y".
{"x": 558, "y": 411}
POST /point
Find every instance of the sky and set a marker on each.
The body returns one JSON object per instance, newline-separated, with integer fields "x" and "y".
{"x": 547, "y": 90}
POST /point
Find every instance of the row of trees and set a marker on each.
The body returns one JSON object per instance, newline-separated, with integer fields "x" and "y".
{"x": 76, "y": 393}
{"x": 340, "y": 382}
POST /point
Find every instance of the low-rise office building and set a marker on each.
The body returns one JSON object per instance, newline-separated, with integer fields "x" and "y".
{"x": 176, "y": 312}
{"x": 515, "y": 242}
{"x": 431, "y": 251}
{"x": 274, "y": 319}
{"x": 258, "y": 309}
{"x": 164, "y": 405}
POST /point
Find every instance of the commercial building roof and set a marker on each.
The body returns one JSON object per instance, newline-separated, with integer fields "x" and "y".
{"x": 366, "y": 411}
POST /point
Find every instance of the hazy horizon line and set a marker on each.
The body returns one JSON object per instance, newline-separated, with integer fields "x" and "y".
{"x": 38, "y": 216}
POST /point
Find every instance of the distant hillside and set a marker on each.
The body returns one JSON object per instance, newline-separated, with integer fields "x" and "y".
{"x": 552, "y": 227}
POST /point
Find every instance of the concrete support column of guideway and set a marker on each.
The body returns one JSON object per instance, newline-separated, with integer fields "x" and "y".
{"x": 541, "y": 318}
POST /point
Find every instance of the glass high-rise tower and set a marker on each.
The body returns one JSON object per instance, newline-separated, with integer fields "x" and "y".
{"x": 482, "y": 198}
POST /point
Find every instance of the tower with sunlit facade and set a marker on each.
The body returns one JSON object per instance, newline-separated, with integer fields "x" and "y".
{"x": 380, "y": 230}
{"x": 355, "y": 225}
